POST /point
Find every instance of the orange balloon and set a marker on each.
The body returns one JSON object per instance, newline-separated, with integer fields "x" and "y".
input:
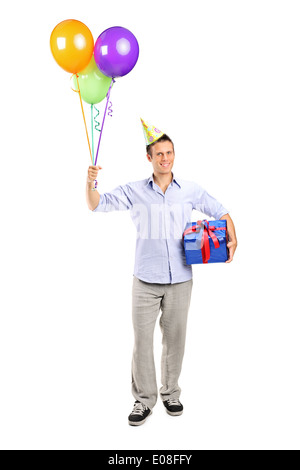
{"x": 72, "y": 45}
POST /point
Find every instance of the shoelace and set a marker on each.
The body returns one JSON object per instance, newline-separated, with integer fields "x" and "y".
{"x": 174, "y": 401}
{"x": 138, "y": 409}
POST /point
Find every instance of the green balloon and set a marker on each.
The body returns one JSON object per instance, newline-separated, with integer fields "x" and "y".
{"x": 92, "y": 83}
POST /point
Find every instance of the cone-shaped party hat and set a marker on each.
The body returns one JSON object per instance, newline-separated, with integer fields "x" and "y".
{"x": 151, "y": 133}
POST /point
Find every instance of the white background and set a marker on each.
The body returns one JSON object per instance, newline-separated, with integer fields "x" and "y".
{"x": 222, "y": 79}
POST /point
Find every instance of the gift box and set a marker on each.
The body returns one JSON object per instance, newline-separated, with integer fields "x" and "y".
{"x": 206, "y": 242}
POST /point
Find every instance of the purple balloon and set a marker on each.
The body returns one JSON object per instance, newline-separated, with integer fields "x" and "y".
{"x": 116, "y": 51}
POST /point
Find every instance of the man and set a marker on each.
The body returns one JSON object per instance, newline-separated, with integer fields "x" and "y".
{"x": 160, "y": 207}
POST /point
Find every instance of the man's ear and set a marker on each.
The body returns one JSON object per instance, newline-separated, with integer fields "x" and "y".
{"x": 149, "y": 158}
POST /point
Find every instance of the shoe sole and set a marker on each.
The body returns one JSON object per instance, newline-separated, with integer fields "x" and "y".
{"x": 174, "y": 413}
{"x": 138, "y": 423}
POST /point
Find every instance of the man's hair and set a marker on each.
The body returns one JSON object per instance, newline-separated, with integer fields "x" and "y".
{"x": 163, "y": 138}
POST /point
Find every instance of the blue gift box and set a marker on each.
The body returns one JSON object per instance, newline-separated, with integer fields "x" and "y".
{"x": 206, "y": 242}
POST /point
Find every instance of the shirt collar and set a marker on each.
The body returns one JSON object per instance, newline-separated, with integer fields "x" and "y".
{"x": 174, "y": 180}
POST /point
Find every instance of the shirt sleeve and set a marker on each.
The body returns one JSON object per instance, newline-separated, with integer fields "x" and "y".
{"x": 119, "y": 199}
{"x": 207, "y": 204}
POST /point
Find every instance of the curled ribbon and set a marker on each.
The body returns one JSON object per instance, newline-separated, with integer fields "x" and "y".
{"x": 97, "y": 123}
{"x": 109, "y": 109}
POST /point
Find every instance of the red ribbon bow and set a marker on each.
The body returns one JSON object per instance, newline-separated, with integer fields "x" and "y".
{"x": 208, "y": 231}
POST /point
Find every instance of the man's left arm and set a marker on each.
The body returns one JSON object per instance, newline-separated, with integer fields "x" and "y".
{"x": 207, "y": 204}
{"x": 232, "y": 243}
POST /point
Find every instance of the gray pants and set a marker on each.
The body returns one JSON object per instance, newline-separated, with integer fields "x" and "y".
{"x": 147, "y": 300}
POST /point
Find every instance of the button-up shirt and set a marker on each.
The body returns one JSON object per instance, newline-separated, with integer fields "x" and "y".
{"x": 160, "y": 219}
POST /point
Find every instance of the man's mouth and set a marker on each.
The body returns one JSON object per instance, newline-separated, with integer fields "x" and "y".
{"x": 165, "y": 165}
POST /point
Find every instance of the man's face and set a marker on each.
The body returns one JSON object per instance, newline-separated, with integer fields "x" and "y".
{"x": 162, "y": 158}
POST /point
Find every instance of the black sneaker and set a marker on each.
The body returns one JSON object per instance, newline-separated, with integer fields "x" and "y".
{"x": 173, "y": 406}
{"x": 139, "y": 414}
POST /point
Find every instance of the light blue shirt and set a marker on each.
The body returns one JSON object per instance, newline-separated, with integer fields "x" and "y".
{"x": 160, "y": 219}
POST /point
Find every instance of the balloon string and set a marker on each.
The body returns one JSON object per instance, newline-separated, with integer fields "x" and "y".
{"x": 92, "y": 128}
{"x": 107, "y": 101}
{"x": 96, "y": 124}
{"x": 87, "y": 134}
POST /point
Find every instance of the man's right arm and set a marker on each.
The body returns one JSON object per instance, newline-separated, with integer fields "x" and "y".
{"x": 92, "y": 195}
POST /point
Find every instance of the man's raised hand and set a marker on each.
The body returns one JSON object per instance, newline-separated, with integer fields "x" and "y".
{"x": 93, "y": 173}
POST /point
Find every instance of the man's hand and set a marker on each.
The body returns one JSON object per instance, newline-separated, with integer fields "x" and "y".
{"x": 232, "y": 241}
{"x": 92, "y": 195}
{"x": 231, "y": 247}
{"x": 93, "y": 173}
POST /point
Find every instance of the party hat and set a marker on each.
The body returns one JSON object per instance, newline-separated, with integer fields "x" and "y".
{"x": 151, "y": 133}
